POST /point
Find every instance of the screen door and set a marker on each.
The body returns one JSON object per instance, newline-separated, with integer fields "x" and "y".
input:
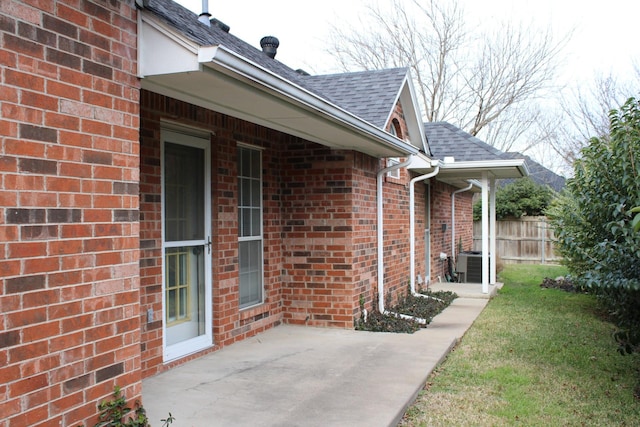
{"x": 186, "y": 246}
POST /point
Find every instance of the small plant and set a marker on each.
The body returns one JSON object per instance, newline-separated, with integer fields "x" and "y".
{"x": 419, "y": 307}
{"x": 116, "y": 413}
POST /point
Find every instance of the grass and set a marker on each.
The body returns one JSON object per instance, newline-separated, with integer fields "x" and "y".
{"x": 534, "y": 357}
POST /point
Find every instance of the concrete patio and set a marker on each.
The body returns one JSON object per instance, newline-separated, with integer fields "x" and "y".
{"x": 302, "y": 376}
{"x": 466, "y": 290}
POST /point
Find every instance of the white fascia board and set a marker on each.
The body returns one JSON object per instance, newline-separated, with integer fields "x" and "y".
{"x": 413, "y": 117}
{"x": 421, "y": 162}
{"x": 156, "y": 42}
{"x": 487, "y": 165}
{"x": 222, "y": 59}
{"x": 414, "y": 120}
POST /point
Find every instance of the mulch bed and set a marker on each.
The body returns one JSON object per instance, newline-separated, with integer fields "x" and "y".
{"x": 425, "y": 308}
{"x": 562, "y": 283}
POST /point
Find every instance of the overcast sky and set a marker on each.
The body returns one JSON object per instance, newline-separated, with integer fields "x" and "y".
{"x": 604, "y": 33}
{"x": 605, "y": 37}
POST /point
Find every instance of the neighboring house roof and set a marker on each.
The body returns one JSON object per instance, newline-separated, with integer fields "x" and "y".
{"x": 538, "y": 173}
{"x": 447, "y": 140}
{"x": 183, "y": 51}
{"x": 368, "y": 94}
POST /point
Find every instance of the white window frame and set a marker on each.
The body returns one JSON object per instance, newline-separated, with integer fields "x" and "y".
{"x": 391, "y": 161}
{"x": 258, "y": 237}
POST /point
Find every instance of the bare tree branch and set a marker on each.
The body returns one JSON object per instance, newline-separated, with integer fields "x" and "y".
{"x": 583, "y": 113}
{"x": 469, "y": 78}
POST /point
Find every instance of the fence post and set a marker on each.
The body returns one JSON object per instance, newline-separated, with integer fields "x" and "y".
{"x": 544, "y": 239}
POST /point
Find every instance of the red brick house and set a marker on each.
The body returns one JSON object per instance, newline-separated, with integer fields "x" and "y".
{"x": 168, "y": 189}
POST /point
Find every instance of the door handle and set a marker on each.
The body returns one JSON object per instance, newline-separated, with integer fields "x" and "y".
{"x": 208, "y": 244}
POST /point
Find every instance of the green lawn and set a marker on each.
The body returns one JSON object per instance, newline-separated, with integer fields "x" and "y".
{"x": 536, "y": 357}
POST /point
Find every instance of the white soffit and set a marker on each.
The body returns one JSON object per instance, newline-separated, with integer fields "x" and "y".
{"x": 220, "y": 80}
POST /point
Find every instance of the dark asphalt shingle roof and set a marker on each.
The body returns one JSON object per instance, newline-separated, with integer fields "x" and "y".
{"x": 370, "y": 95}
{"x": 446, "y": 139}
{"x": 186, "y": 22}
{"x": 538, "y": 173}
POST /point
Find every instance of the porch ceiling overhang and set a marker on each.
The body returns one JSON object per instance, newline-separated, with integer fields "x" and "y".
{"x": 221, "y": 80}
{"x": 460, "y": 174}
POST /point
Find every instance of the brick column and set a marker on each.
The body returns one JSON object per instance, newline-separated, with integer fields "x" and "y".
{"x": 69, "y": 273}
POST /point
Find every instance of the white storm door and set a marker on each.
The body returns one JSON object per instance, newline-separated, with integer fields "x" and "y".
{"x": 186, "y": 221}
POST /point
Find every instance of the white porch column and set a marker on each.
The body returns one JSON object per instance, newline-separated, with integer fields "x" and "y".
{"x": 485, "y": 233}
{"x": 492, "y": 230}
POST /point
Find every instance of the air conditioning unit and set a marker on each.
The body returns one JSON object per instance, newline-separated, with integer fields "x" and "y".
{"x": 469, "y": 266}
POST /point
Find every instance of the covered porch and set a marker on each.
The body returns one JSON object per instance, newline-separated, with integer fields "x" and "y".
{"x": 478, "y": 176}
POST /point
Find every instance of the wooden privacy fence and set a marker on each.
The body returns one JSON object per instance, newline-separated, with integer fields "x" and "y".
{"x": 528, "y": 240}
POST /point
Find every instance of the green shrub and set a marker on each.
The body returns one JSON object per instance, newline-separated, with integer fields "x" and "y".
{"x": 116, "y": 413}
{"x": 593, "y": 221}
{"x": 521, "y": 197}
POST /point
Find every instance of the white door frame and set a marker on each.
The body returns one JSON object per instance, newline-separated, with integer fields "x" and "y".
{"x": 189, "y": 346}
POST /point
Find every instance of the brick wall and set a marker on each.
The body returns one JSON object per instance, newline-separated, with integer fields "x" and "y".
{"x": 229, "y": 323}
{"x": 441, "y": 215}
{"x": 318, "y": 225}
{"x": 319, "y": 228}
{"x": 69, "y": 289}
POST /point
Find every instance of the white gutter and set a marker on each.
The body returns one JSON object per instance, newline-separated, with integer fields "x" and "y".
{"x": 234, "y": 64}
{"x": 480, "y": 166}
{"x": 412, "y": 226}
{"x": 453, "y": 219}
{"x": 166, "y": 52}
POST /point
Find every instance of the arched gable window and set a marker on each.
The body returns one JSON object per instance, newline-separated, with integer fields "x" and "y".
{"x": 395, "y": 130}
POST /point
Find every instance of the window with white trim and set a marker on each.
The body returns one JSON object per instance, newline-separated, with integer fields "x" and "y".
{"x": 394, "y": 130}
{"x": 394, "y": 173}
{"x": 250, "y": 239}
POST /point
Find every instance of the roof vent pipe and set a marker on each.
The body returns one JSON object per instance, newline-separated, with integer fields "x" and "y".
{"x": 205, "y": 15}
{"x": 269, "y": 45}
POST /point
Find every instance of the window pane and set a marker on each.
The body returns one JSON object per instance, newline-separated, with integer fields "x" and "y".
{"x": 183, "y": 192}
{"x": 244, "y": 256}
{"x": 250, "y": 225}
{"x": 246, "y": 222}
{"x": 255, "y": 193}
{"x": 255, "y": 164}
{"x": 254, "y": 255}
{"x": 245, "y": 192}
{"x": 171, "y": 305}
{"x": 185, "y": 309}
{"x": 250, "y": 273}
{"x": 255, "y": 222}
{"x": 245, "y": 162}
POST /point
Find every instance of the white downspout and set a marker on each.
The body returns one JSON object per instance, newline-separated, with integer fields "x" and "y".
{"x": 412, "y": 228}
{"x": 453, "y": 220}
{"x": 380, "y": 225}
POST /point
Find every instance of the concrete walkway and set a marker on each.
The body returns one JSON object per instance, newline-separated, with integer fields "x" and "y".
{"x": 302, "y": 376}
